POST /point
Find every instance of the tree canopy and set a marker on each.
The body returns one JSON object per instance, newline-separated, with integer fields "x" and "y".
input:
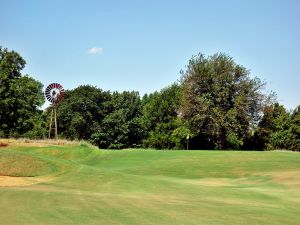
{"x": 20, "y": 97}
{"x": 220, "y": 100}
{"x": 278, "y": 129}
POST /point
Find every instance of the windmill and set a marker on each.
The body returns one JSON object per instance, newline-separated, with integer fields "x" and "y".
{"x": 55, "y": 94}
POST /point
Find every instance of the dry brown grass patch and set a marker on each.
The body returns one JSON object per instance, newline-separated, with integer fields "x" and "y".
{"x": 36, "y": 143}
{"x": 289, "y": 178}
{"x": 7, "y": 181}
{"x": 2, "y": 144}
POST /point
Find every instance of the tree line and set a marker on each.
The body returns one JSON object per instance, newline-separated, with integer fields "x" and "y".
{"x": 214, "y": 105}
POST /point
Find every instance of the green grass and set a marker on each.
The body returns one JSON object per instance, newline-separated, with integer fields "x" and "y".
{"x": 81, "y": 185}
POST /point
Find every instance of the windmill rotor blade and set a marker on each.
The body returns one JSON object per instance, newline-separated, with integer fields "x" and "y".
{"x": 59, "y": 93}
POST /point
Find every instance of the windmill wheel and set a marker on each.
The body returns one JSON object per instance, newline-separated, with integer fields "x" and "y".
{"x": 54, "y": 93}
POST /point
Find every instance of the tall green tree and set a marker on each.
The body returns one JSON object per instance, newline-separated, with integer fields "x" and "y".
{"x": 220, "y": 101}
{"x": 161, "y": 107}
{"x": 121, "y": 127}
{"x": 272, "y": 128}
{"x": 295, "y": 129}
{"x": 82, "y": 111}
{"x": 279, "y": 129}
{"x": 161, "y": 119}
{"x": 20, "y": 96}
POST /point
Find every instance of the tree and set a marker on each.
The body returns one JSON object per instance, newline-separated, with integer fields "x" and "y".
{"x": 121, "y": 127}
{"x": 295, "y": 129}
{"x": 278, "y": 129}
{"x": 271, "y": 128}
{"x": 82, "y": 111}
{"x": 285, "y": 132}
{"x": 220, "y": 101}
{"x": 20, "y": 96}
{"x": 161, "y": 121}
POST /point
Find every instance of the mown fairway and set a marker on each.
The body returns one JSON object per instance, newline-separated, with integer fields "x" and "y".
{"x": 81, "y": 185}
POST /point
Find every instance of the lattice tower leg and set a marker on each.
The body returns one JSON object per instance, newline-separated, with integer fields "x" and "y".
{"x": 53, "y": 126}
{"x": 55, "y": 123}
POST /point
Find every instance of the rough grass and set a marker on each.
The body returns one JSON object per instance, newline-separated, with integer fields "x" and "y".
{"x": 4, "y": 142}
{"x": 81, "y": 185}
{"x": 21, "y": 165}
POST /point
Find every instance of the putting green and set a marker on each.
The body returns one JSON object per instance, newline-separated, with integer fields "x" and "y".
{"x": 81, "y": 185}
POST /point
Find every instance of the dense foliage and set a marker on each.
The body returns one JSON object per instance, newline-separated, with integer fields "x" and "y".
{"x": 82, "y": 111}
{"x": 220, "y": 101}
{"x": 121, "y": 126}
{"x": 161, "y": 121}
{"x": 20, "y": 98}
{"x": 278, "y": 129}
{"x": 216, "y": 105}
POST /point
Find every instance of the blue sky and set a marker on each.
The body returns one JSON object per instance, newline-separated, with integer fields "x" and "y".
{"x": 142, "y": 45}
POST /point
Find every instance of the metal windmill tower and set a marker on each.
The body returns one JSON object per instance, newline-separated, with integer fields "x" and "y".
{"x": 55, "y": 94}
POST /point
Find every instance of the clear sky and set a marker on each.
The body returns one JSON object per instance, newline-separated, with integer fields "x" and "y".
{"x": 142, "y": 45}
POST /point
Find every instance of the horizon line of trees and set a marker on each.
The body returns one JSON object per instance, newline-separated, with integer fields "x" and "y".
{"x": 215, "y": 105}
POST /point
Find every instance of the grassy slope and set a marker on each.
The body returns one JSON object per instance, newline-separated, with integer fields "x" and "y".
{"x": 88, "y": 186}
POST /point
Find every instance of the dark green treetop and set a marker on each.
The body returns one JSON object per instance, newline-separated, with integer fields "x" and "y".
{"x": 220, "y": 100}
